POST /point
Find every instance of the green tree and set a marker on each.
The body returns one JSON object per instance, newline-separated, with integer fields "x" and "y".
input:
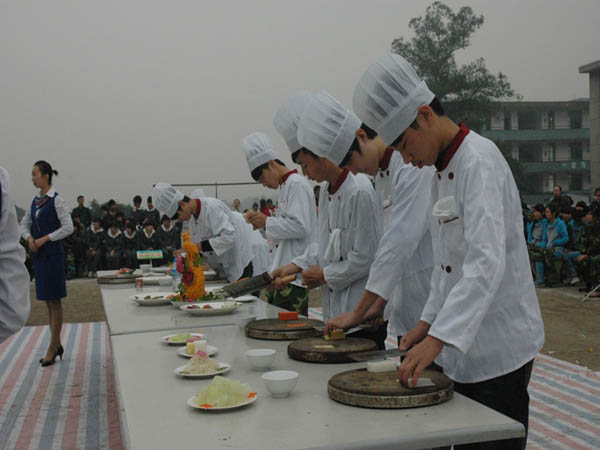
{"x": 468, "y": 92}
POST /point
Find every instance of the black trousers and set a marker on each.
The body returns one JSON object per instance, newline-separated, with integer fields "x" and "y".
{"x": 378, "y": 335}
{"x": 506, "y": 394}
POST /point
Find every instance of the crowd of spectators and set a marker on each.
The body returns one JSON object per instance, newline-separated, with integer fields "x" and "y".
{"x": 564, "y": 241}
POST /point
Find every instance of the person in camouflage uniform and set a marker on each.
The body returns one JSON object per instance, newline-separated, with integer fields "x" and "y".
{"x": 77, "y": 242}
{"x": 588, "y": 262}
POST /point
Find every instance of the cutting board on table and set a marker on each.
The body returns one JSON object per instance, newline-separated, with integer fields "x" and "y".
{"x": 116, "y": 279}
{"x": 281, "y": 330}
{"x": 383, "y": 390}
{"x": 320, "y": 350}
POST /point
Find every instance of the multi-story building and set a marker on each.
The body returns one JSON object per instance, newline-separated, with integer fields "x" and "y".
{"x": 551, "y": 140}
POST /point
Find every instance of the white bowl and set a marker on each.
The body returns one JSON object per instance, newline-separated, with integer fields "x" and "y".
{"x": 260, "y": 358}
{"x": 242, "y": 321}
{"x": 280, "y": 382}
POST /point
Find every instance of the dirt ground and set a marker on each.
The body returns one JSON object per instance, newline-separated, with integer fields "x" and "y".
{"x": 572, "y": 331}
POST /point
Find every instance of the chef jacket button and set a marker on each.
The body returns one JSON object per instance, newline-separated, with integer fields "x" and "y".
{"x": 439, "y": 222}
{"x": 330, "y": 290}
{"x": 439, "y": 176}
{"x": 339, "y": 197}
{"x": 330, "y": 198}
{"x": 270, "y": 251}
{"x": 448, "y": 269}
{"x": 276, "y": 245}
{"x": 451, "y": 175}
{"x": 442, "y": 266}
{"x": 387, "y": 172}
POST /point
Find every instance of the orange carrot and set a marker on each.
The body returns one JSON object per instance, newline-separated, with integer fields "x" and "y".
{"x": 295, "y": 325}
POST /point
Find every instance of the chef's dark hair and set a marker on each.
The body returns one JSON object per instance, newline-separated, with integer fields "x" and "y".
{"x": 303, "y": 150}
{"x": 355, "y": 147}
{"x": 257, "y": 173}
{"x": 436, "y": 106}
{"x": 46, "y": 169}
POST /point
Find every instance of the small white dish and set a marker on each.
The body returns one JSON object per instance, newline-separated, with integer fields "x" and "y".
{"x": 155, "y": 298}
{"x": 210, "y": 350}
{"x": 280, "y": 382}
{"x": 210, "y": 308}
{"x": 166, "y": 339}
{"x": 242, "y": 321}
{"x": 260, "y": 358}
{"x": 222, "y": 369}
{"x": 245, "y": 298}
{"x": 251, "y": 399}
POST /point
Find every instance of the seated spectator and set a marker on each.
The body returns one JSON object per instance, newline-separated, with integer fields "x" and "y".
{"x": 255, "y": 207}
{"x": 167, "y": 239}
{"x": 77, "y": 243}
{"x": 567, "y": 215}
{"x": 113, "y": 246}
{"x": 536, "y": 244}
{"x": 263, "y": 208}
{"x": 138, "y": 213}
{"x": 130, "y": 246}
{"x": 581, "y": 206}
{"x": 271, "y": 207}
{"x": 575, "y": 229}
{"x": 152, "y": 213}
{"x": 596, "y": 198}
{"x": 95, "y": 250}
{"x": 82, "y": 212}
{"x": 120, "y": 221}
{"x": 589, "y": 260}
{"x": 111, "y": 214}
{"x": 236, "y": 205}
{"x": 556, "y": 240}
{"x": 147, "y": 238}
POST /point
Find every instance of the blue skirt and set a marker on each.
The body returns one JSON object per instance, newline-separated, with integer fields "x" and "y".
{"x": 50, "y": 278}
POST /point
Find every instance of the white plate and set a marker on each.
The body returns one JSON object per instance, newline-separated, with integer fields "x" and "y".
{"x": 245, "y": 298}
{"x": 155, "y": 279}
{"x": 224, "y": 369}
{"x": 191, "y": 403}
{"x": 211, "y": 350}
{"x": 165, "y": 339}
{"x": 163, "y": 269}
{"x": 158, "y": 298}
{"x": 216, "y": 308}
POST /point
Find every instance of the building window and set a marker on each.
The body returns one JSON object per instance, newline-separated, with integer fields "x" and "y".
{"x": 549, "y": 152}
{"x": 551, "y": 120}
{"x": 507, "y": 120}
{"x": 575, "y": 119}
{"x": 548, "y": 182}
{"x": 576, "y": 182}
{"x": 575, "y": 151}
{"x": 528, "y": 120}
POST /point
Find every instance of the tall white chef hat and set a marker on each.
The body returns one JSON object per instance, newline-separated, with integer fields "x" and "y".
{"x": 328, "y": 128}
{"x": 165, "y": 197}
{"x": 388, "y": 96}
{"x": 198, "y": 193}
{"x": 258, "y": 150}
{"x": 287, "y": 118}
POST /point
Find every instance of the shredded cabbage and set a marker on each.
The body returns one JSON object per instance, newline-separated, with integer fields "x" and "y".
{"x": 223, "y": 392}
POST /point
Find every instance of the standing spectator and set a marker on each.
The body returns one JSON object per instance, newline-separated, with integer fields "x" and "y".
{"x": 152, "y": 213}
{"x": 78, "y": 241}
{"x": 263, "y": 208}
{"x": 589, "y": 260}
{"x": 95, "y": 249}
{"x": 120, "y": 221}
{"x": 45, "y": 225}
{"x": 130, "y": 246}
{"x": 575, "y": 229}
{"x": 271, "y": 207}
{"x": 82, "y": 212}
{"x": 111, "y": 215}
{"x": 255, "y": 207}
{"x": 581, "y": 206}
{"x": 14, "y": 279}
{"x": 138, "y": 213}
{"x": 596, "y": 198}
{"x": 561, "y": 200}
{"x": 236, "y": 205}
{"x": 167, "y": 239}
{"x": 113, "y": 246}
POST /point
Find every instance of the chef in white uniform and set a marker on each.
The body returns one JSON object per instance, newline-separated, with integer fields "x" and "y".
{"x": 212, "y": 228}
{"x": 291, "y": 230}
{"x": 349, "y": 222}
{"x": 14, "y": 278}
{"x": 260, "y": 249}
{"x": 482, "y": 321}
{"x": 400, "y": 276}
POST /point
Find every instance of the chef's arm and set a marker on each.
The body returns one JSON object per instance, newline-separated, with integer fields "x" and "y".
{"x": 357, "y": 316}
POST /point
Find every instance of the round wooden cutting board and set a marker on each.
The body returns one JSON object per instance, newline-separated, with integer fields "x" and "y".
{"x": 321, "y": 350}
{"x": 383, "y": 390}
{"x": 116, "y": 279}
{"x": 281, "y": 330}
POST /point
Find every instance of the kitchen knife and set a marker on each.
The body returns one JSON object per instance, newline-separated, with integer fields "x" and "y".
{"x": 376, "y": 354}
{"x": 249, "y": 285}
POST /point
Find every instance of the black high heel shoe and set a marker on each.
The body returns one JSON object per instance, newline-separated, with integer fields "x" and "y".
{"x": 58, "y": 352}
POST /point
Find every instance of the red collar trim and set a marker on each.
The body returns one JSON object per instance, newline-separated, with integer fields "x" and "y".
{"x": 447, "y": 154}
{"x": 287, "y": 175}
{"x": 340, "y": 181}
{"x": 198, "y": 208}
{"x": 387, "y": 156}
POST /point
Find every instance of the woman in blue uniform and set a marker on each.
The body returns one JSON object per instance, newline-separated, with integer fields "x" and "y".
{"x": 44, "y": 226}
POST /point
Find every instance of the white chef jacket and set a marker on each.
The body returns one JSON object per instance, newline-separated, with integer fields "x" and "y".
{"x": 348, "y": 232}
{"x": 14, "y": 278}
{"x": 482, "y": 302}
{"x": 401, "y": 272}
{"x": 230, "y": 241}
{"x": 294, "y": 227}
{"x": 62, "y": 212}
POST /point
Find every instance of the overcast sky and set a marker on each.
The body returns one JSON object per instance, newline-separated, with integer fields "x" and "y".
{"x": 118, "y": 95}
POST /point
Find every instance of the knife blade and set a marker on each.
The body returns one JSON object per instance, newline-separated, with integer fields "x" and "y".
{"x": 376, "y": 354}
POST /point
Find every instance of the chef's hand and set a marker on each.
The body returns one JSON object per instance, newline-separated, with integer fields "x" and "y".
{"x": 581, "y": 258}
{"x": 112, "y": 253}
{"x": 345, "y": 321}
{"x": 257, "y": 219}
{"x": 280, "y": 272}
{"x": 375, "y": 312}
{"x": 178, "y": 252}
{"x": 32, "y": 245}
{"x": 417, "y": 359}
{"x": 414, "y": 336}
{"x": 313, "y": 277}
{"x": 41, "y": 241}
